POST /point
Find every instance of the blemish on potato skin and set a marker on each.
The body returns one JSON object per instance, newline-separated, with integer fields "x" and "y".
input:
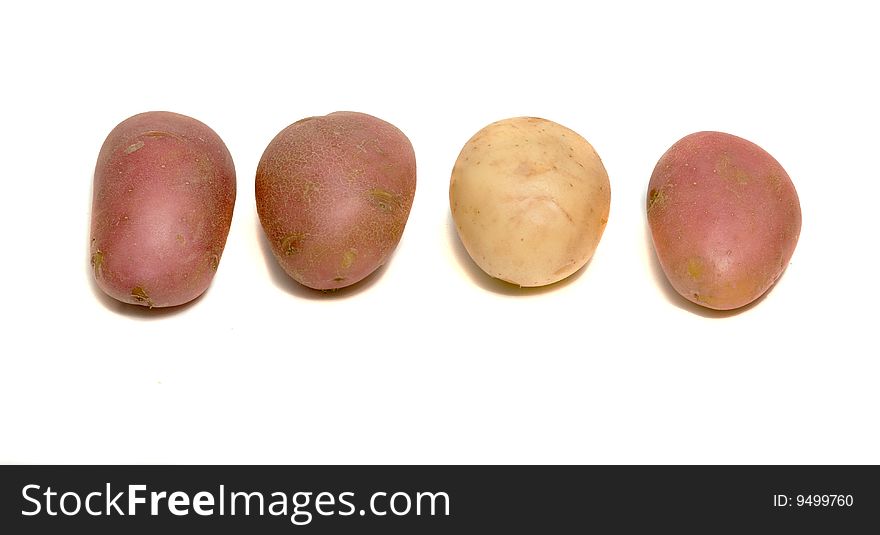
{"x": 348, "y": 258}
{"x": 658, "y": 198}
{"x": 727, "y": 169}
{"x": 384, "y": 200}
{"x": 695, "y": 268}
{"x": 309, "y": 188}
{"x": 215, "y": 262}
{"x": 292, "y": 243}
{"x": 775, "y": 182}
{"x": 133, "y": 147}
{"x": 141, "y": 297}
{"x": 654, "y": 196}
{"x": 161, "y": 133}
{"x": 98, "y": 263}
{"x": 529, "y": 169}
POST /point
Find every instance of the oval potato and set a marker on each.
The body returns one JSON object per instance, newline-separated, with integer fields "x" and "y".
{"x": 530, "y": 200}
{"x": 724, "y": 217}
{"x": 333, "y": 196}
{"x": 163, "y": 196}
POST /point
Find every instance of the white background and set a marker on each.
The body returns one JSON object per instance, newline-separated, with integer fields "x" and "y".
{"x": 430, "y": 361}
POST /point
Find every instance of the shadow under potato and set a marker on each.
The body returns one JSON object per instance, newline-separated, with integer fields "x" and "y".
{"x": 489, "y": 283}
{"x": 287, "y": 283}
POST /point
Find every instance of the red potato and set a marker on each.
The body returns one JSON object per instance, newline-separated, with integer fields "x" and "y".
{"x": 725, "y": 219}
{"x": 333, "y": 196}
{"x": 164, "y": 191}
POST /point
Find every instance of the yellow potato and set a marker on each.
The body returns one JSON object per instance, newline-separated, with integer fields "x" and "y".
{"x": 530, "y": 199}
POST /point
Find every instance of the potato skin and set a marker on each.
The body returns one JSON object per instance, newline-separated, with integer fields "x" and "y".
{"x": 724, "y": 217}
{"x": 530, "y": 200}
{"x": 333, "y": 195}
{"x": 163, "y": 196}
